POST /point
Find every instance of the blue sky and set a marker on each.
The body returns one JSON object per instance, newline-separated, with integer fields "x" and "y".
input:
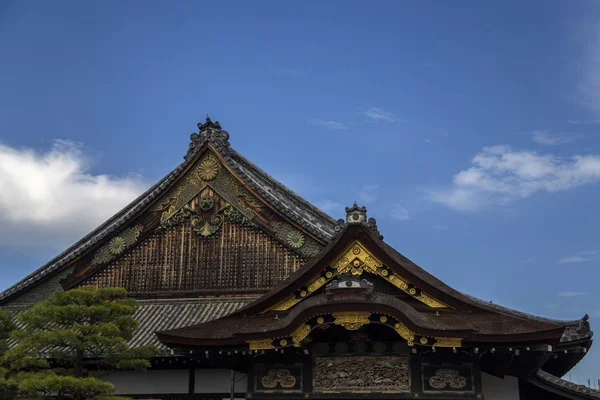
{"x": 470, "y": 130}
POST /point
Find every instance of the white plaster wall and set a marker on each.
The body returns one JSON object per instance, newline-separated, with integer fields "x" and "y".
{"x": 219, "y": 381}
{"x": 499, "y": 389}
{"x": 149, "y": 382}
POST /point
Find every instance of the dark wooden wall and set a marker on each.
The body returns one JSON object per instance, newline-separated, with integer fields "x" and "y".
{"x": 235, "y": 259}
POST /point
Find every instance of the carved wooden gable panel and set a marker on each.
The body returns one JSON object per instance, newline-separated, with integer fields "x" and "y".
{"x": 209, "y": 234}
{"x": 212, "y": 250}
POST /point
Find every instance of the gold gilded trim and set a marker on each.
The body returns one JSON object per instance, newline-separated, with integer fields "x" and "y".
{"x": 430, "y": 301}
{"x": 351, "y": 320}
{"x": 405, "y": 333}
{"x": 262, "y": 344}
{"x": 286, "y": 304}
{"x": 300, "y": 334}
{"x": 317, "y": 283}
{"x": 356, "y": 259}
{"x": 447, "y": 342}
{"x": 347, "y": 262}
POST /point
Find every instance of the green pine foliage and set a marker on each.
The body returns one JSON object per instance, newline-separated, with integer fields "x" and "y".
{"x": 68, "y": 341}
{"x": 6, "y": 326}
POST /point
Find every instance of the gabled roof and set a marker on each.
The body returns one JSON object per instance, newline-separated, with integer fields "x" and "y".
{"x": 284, "y": 200}
{"x": 429, "y": 312}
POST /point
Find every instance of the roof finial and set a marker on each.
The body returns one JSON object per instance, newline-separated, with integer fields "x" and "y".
{"x": 356, "y": 214}
{"x": 208, "y": 131}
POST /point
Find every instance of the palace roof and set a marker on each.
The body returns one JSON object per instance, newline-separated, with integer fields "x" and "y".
{"x": 284, "y": 200}
{"x": 221, "y": 255}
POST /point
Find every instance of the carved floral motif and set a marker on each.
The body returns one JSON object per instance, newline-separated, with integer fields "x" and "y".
{"x": 351, "y": 320}
{"x": 208, "y": 168}
{"x": 361, "y": 374}
{"x": 445, "y": 377}
{"x": 117, "y": 245}
{"x": 281, "y": 377}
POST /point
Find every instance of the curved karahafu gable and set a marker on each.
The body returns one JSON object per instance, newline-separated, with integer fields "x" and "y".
{"x": 246, "y": 194}
{"x": 337, "y": 288}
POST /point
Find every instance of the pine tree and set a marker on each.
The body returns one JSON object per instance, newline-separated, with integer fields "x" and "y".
{"x": 6, "y": 326}
{"x": 68, "y": 340}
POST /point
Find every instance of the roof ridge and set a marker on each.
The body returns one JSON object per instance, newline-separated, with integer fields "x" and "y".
{"x": 520, "y": 314}
{"x": 295, "y": 196}
{"x": 570, "y": 386}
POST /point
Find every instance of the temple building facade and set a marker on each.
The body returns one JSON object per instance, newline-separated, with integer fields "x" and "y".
{"x": 251, "y": 292}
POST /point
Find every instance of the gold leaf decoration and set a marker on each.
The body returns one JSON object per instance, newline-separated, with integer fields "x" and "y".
{"x": 351, "y": 320}
{"x": 209, "y": 168}
{"x": 300, "y": 334}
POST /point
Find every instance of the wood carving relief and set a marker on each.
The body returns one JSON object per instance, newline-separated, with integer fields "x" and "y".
{"x": 242, "y": 206}
{"x": 117, "y": 245}
{"x": 448, "y": 378}
{"x": 387, "y": 374}
{"x": 278, "y": 377}
{"x": 283, "y": 378}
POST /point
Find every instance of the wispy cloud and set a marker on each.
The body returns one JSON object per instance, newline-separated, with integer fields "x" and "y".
{"x": 49, "y": 199}
{"x": 379, "y": 114}
{"x": 500, "y": 174}
{"x": 366, "y": 194}
{"x": 334, "y": 125}
{"x": 589, "y": 82}
{"x": 551, "y": 139}
{"x": 583, "y": 121}
{"x": 574, "y": 259}
{"x": 571, "y": 294}
{"x": 399, "y": 213}
{"x": 330, "y": 207}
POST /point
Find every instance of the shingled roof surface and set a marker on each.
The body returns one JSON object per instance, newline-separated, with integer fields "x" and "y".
{"x": 580, "y": 391}
{"x": 167, "y": 314}
{"x": 278, "y": 195}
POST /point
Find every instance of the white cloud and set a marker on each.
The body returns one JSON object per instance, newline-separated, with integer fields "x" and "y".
{"x": 366, "y": 194}
{"x": 378, "y": 114}
{"x": 399, "y": 213}
{"x": 574, "y": 259}
{"x": 551, "y": 139}
{"x": 500, "y": 174}
{"x": 571, "y": 294}
{"x": 51, "y": 199}
{"x": 334, "y": 125}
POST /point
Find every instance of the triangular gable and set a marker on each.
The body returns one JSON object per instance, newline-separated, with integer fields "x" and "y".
{"x": 356, "y": 259}
{"x": 293, "y": 221}
{"x": 207, "y": 197}
{"x": 357, "y": 249}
